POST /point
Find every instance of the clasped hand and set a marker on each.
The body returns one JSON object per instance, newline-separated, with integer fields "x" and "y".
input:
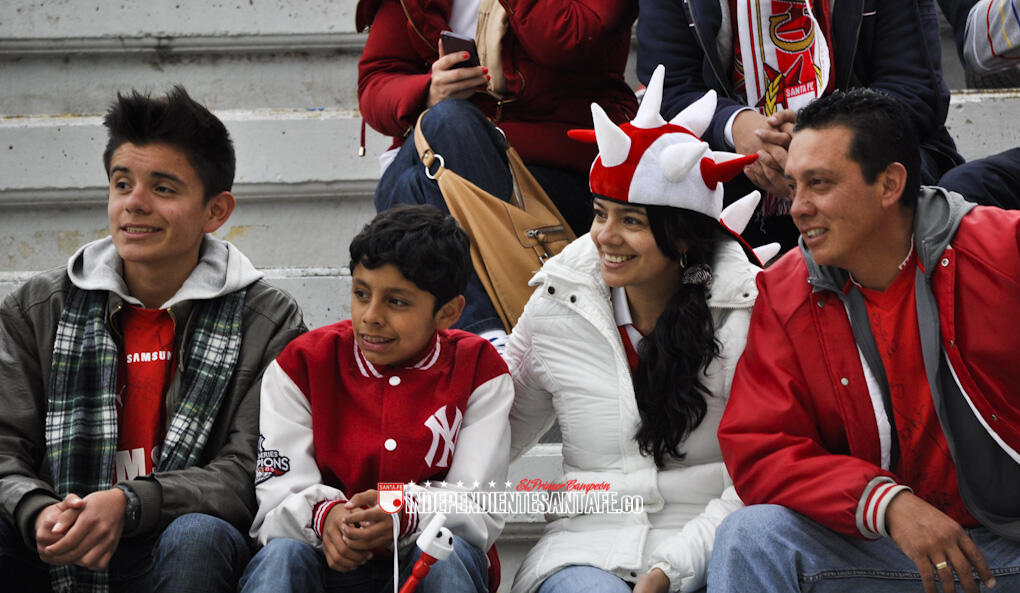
{"x": 769, "y": 138}
{"x": 354, "y": 529}
{"x": 83, "y": 531}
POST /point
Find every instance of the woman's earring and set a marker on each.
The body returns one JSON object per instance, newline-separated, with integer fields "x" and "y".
{"x": 698, "y": 274}
{"x": 683, "y": 260}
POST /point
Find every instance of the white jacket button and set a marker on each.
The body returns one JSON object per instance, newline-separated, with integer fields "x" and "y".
{"x": 390, "y": 444}
{"x": 394, "y": 381}
{"x": 844, "y": 381}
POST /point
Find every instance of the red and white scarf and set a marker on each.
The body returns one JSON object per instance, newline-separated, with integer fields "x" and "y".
{"x": 783, "y": 53}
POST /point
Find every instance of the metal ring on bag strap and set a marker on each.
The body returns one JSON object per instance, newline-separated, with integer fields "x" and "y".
{"x": 442, "y": 164}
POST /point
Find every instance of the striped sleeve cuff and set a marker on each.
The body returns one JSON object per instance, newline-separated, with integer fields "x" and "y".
{"x": 320, "y": 512}
{"x": 409, "y": 517}
{"x": 872, "y": 506}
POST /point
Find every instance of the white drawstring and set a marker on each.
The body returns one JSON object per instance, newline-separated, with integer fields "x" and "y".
{"x": 396, "y": 535}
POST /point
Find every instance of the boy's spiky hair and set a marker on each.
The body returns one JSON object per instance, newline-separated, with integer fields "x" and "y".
{"x": 179, "y": 121}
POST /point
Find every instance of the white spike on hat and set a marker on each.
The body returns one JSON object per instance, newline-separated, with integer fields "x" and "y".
{"x": 739, "y": 213}
{"x": 648, "y": 116}
{"x": 614, "y": 144}
{"x": 698, "y": 115}
{"x": 766, "y": 252}
{"x": 677, "y": 160}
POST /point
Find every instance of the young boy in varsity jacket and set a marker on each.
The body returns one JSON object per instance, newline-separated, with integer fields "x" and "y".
{"x": 129, "y": 378}
{"x": 391, "y": 395}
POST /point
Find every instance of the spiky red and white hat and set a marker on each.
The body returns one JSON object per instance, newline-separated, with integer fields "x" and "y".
{"x": 652, "y": 162}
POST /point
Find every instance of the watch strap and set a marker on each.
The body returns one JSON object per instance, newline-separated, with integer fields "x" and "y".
{"x": 133, "y": 510}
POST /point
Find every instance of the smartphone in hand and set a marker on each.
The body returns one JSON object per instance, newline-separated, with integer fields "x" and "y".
{"x": 454, "y": 43}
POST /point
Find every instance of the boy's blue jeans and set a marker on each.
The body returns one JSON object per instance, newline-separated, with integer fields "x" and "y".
{"x": 769, "y": 548}
{"x": 290, "y": 565}
{"x": 195, "y": 554}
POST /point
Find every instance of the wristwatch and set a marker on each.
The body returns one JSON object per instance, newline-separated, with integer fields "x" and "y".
{"x": 133, "y": 510}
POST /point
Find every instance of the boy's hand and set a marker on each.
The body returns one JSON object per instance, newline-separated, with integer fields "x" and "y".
{"x": 339, "y": 555}
{"x": 367, "y": 528}
{"x": 95, "y": 534}
{"x": 53, "y": 522}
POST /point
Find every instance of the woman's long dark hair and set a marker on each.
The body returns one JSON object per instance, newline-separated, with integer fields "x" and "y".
{"x": 667, "y": 383}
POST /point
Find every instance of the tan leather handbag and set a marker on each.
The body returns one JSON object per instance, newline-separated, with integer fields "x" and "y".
{"x": 509, "y": 240}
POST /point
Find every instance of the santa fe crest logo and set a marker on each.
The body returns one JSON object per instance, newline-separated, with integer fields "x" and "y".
{"x": 391, "y": 496}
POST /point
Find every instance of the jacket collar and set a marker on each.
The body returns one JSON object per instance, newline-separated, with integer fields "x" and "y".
{"x": 422, "y": 362}
{"x": 221, "y": 269}
{"x": 732, "y": 274}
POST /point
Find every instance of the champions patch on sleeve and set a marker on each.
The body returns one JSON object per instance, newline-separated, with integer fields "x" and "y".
{"x": 270, "y": 463}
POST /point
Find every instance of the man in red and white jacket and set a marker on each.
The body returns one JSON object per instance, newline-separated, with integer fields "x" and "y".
{"x": 391, "y": 395}
{"x": 876, "y": 396}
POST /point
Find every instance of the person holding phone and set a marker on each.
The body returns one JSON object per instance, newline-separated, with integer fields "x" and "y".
{"x": 535, "y": 81}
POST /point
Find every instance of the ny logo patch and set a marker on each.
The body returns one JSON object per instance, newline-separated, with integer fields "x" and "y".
{"x": 443, "y": 430}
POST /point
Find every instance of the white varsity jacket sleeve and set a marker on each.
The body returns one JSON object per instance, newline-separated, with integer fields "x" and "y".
{"x": 288, "y": 484}
{"x": 482, "y": 456}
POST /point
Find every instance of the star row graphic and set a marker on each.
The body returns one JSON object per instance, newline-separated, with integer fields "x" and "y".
{"x": 459, "y": 484}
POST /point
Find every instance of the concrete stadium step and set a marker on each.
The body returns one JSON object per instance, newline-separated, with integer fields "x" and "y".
{"x": 72, "y": 57}
{"x": 303, "y": 191}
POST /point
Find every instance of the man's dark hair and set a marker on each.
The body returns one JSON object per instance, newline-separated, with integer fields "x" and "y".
{"x": 883, "y": 133}
{"x": 424, "y": 243}
{"x": 179, "y": 121}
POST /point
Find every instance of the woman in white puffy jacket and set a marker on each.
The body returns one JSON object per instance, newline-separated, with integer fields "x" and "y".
{"x": 630, "y": 341}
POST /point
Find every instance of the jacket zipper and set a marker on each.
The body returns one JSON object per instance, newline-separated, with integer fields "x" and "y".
{"x": 111, "y": 325}
{"x": 171, "y": 394}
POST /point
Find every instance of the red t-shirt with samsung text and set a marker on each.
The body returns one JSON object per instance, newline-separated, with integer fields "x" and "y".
{"x": 145, "y": 370}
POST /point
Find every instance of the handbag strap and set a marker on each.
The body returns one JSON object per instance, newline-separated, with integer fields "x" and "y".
{"x": 425, "y": 152}
{"x": 429, "y": 157}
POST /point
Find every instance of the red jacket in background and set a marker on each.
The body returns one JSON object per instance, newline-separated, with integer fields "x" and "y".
{"x": 558, "y": 58}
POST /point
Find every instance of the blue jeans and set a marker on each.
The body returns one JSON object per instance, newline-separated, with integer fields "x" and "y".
{"x": 195, "y": 554}
{"x": 474, "y": 149}
{"x": 581, "y": 578}
{"x": 290, "y": 565}
{"x": 769, "y": 548}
